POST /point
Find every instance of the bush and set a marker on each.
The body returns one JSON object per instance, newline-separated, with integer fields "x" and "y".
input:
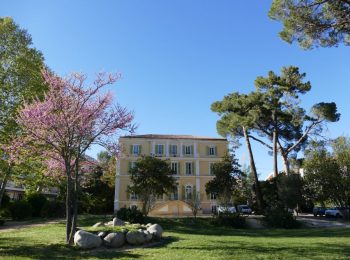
{"x": 37, "y": 201}
{"x": 132, "y": 215}
{"x": 5, "y": 213}
{"x": 280, "y": 218}
{"x": 53, "y": 209}
{"x": 2, "y": 222}
{"x": 235, "y": 220}
{"x": 5, "y": 201}
{"x": 20, "y": 210}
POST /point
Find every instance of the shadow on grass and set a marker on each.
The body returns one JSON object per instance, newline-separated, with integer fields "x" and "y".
{"x": 204, "y": 227}
{"x": 10, "y": 247}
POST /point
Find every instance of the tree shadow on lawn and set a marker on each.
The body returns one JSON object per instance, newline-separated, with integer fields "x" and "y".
{"x": 13, "y": 247}
{"x": 198, "y": 226}
{"x": 230, "y": 248}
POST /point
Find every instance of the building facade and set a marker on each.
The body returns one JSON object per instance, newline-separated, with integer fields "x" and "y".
{"x": 191, "y": 160}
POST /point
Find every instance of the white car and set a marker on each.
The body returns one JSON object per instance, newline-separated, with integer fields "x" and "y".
{"x": 244, "y": 209}
{"x": 334, "y": 212}
{"x": 229, "y": 208}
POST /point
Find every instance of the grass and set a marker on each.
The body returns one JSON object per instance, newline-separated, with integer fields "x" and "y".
{"x": 186, "y": 239}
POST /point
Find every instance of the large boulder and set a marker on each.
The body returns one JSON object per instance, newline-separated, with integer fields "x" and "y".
{"x": 102, "y": 234}
{"x": 98, "y": 224}
{"x": 86, "y": 240}
{"x": 156, "y": 231}
{"x": 135, "y": 237}
{"x": 114, "y": 239}
{"x": 148, "y": 235}
{"x": 118, "y": 222}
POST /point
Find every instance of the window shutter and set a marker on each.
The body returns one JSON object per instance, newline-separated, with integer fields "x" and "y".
{"x": 156, "y": 149}
{"x": 207, "y": 150}
{"x": 215, "y": 151}
{"x": 170, "y": 151}
{"x": 140, "y": 149}
{"x": 129, "y": 166}
{"x": 193, "y": 169}
{"x": 183, "y": 192}
{"x": 183, "y": 150}
{"x": 191, "y": 149}
{"x": 131, "y": 149}
{"x": 179, "y": 168}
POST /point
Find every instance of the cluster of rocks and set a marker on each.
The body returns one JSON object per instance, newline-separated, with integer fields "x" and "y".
{"x": 144, "y": 234}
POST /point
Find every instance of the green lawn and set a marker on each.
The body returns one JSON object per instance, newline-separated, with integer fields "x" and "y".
{"x": 186, "y": 239}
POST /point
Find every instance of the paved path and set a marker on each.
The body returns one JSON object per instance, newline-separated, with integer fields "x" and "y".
{"x": 322, "y": 222}
{"x": 14, "y": 225}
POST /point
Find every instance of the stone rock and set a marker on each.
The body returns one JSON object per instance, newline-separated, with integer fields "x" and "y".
{"x": 135, "y": 237}
{"x": 87, "y": 240}
{"x": 98, "y": 224}
{"x": 114, "y": 240}
{"x": 148, "y": 225}
{"x": 148, "y": 235}
{"x": 156, "y": 231}
{"x": 118, "y": 222}
{"x": 109, "y": 223}
{"x": 102, "y": 234}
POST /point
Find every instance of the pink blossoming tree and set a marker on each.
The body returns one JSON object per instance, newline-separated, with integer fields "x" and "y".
{"x": 67, "y": 122}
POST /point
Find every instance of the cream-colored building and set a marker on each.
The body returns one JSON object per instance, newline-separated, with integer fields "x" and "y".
{"x": 190, "y": 158}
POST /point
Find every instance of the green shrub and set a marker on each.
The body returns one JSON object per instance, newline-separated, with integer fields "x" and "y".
{"x": 235, "y": 220}
{"x": 2, "y": 222}
{"x": 5, "y": 212}
{"x": 280, "y": 218}
{"x": 5, "y": 201}
{"x": 53, "y": 209}
{"x": 20, "y": 210}
{"x": 37, "y": 201}
{"x": 132, "y": 215}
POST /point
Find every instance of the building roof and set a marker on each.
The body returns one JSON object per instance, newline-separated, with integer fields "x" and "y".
{"x": 189, "y": 137}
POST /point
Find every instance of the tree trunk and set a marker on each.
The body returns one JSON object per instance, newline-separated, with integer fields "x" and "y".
{"x": 4, "y": 183}
{"x": 285, "y": 163}
{"x": 68, "y": 207}
{"x": 274, "y": 145}
{"x": 255, "y": 174}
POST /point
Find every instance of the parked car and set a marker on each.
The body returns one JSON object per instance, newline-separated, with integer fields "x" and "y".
{"x": 334, "y": 212}
{"x": 244, "y": 209}
{"x": 227, "y": 208}
{"x": 319, "y": 211}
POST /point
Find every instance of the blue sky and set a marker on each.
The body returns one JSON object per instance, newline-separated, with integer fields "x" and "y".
{"x": 177, "y": 57}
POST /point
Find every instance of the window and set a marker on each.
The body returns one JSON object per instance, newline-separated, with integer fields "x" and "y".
{"x": 159, "y": 149}
{"x": 132, "y": 165}
{"x": 173, "y": 149}
{"x": 174, "y": 195}
{"x": 213, "y": 208}
{"x": 133, "y": 196}
{"x": 211, "y": 150}
{"x": 136, "y": 149}
{"x": 211, "y": 168}
{"x": 212, "y": 196}
{"x": 189, "y": 168}
{"x": 174, "y": 168}
{"x": 188, "y": 149}
{"x": 188, "y": 192}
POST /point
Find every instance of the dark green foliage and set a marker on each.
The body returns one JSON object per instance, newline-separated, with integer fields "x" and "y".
{"x": 226, "y": 172}
{"x": 37, "y": 202}
{"x": 280, "y": 218}
{"x": 5, "y": 201}
{"x": 327, "y": 174}
{"x": 230, "y": 220}
{"x": 151, "y": 177}
{"x": 96, "y": 195}
{"x": 319, "y": 23}
{"x": 2, "y": 222}
{"x": 20, "y": 210}
{"x": 53, "y": 209}
{"x": 132, "y": 215}
{"x": 283, "y": 191}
